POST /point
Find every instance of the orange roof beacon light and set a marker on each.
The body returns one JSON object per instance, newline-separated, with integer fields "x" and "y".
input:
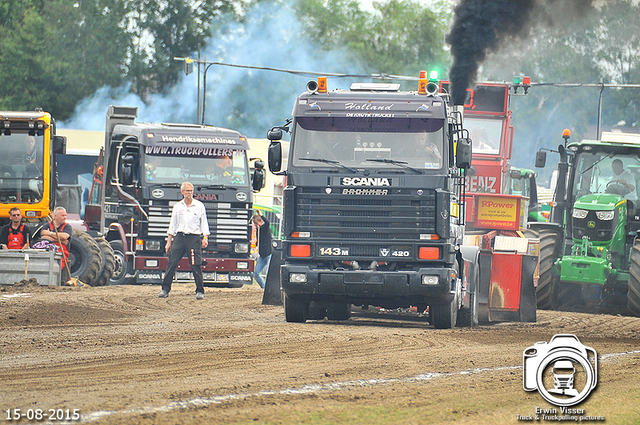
{"x": 422, "y": 82}
{"x": 322, "y": 84}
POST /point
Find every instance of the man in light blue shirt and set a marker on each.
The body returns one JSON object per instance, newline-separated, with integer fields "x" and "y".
{"x": 188, "y": 233}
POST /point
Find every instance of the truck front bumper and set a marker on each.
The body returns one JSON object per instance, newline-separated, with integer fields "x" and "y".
{"x": 370, "y": 287}
{"x": 215, "y": 271}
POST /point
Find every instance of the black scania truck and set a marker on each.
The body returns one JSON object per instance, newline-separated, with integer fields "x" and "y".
{"x": 373, "y": 204}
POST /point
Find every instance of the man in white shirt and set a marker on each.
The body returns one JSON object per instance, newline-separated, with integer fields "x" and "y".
{"x": 188, "y": 233}
{"x": 624, "y": 179}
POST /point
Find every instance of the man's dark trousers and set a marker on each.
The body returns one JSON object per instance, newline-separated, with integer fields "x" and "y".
{"x": 192, "y": 246}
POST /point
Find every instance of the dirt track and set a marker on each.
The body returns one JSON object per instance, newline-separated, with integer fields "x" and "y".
{"x": 121, "y": 355}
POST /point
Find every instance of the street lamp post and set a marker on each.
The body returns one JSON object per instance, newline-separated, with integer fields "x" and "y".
{"x": 204, "y": 90}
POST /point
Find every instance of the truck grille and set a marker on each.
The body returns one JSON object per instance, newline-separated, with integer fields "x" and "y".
{"x": 227, "y": 222}
{"x": 399, "y": 216}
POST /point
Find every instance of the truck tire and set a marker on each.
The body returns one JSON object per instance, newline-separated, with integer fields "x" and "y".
{"x": 444, "y": 315}
{"x": 339, "y": 311}
{"x": 107, "y": 258}
{"x": 121, "y": 268}
{"x": 84, "y": 258}
{"x": 317, "y": 310}
{"x": 633, "y": 287}
{"x": 546, "y": 292}
{"x": 296, "y": 310}
{"x": 468, "y": 317}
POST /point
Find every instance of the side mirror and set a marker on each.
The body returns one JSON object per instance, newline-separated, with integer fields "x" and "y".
{"x": 128, "y": 162}
{"x": 463, "y": 153}
{"x": 275, "y": 155}
{"x": 257, "y": 179}
{"x": 59, "y": 145}
{"x": 515, "y": 174}
{"x": 541, "y": 159}
{"x": 274, "y": 134}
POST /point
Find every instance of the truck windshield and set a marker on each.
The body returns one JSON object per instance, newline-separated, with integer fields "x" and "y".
{"x": 354, "y": 142}
{"x": 21, "y": 168}
{"x": 222, "y": 170}
{"x": 606, "y": 172}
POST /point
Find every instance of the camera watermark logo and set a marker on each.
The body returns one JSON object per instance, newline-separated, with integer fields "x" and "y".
{"x": 564, "y": 371}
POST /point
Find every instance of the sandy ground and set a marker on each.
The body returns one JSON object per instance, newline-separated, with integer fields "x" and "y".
{"x": 122, "y": 355}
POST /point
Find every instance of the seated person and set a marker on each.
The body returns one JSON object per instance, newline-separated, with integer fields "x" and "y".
{"x": 622, "y": 181}
{"x": 480, "y": 139}
{"x": 15, "y": 235}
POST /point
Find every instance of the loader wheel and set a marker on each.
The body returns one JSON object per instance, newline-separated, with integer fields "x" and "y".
{"x": 444, "y": 315}
{"x": 108, "y": 262}
{"x": 84, "y": 258}
{"x": 121, "y": 267}
{"x": 338, "y": 311}
{"x": 295, "y": 309}
{"x": 546, "y": 290}
{"x": 633, "y": 287}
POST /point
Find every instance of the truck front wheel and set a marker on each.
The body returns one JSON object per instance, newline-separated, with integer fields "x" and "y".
{"x": 296, "y": 310}
{"x": 443, "y": 316}
{"x": 338, "y": 311}
{"x": 121, "y": 267}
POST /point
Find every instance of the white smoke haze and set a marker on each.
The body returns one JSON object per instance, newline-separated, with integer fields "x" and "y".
{"x": 250, "y": 101}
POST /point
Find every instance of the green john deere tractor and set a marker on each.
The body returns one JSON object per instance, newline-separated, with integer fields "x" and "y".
{"x": 590, "y": 249}
{"x": 522, "y": 181}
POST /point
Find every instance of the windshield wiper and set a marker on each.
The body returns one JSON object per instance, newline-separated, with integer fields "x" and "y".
{"x": 176, "y": 185}
{"x": 332, "y": 162}
{"x": 402, "y": 164}
{"x": 598, "y": 162}
{"x": 217, "y": 186}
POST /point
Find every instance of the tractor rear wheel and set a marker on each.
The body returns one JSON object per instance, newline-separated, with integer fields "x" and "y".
{"x": 633, "y": 287}
{"x": 108, "y": 262}
{"x": 546, "y": 292}
{"x": 84, "y": 258}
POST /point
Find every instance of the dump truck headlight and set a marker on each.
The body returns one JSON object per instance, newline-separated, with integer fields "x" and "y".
{"x": 429, "y": 280}
{"x": 298, "y": 277}
{"x": 241, "y": 248}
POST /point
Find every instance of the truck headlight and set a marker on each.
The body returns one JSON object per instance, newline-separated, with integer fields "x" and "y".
{"x": 580, "y": 214}
{"x": 298, "y": 277}
{"x": 241, "y": 248}
{"x": 242, "y": 265}
{"x": 605, "y": 215}
{"x": 152, "y": 245}
{"x": 429, "y": 280}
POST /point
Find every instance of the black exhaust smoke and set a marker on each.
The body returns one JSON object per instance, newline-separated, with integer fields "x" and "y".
{"x": 480, "y": 26}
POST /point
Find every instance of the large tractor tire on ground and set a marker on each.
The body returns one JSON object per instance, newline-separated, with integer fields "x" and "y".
{"x": 546, "y": 292}
{"x": 107, "y": 258}
{"x": 84, "y": 258}
{"x": 633, "y": 289}
{"x": 121, "y": 267}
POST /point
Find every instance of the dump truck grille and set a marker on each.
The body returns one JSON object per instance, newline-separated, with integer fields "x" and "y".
{"x": 400, "y": 216}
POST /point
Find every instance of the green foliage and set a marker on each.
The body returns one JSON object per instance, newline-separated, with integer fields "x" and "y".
{"x": 400, "y": 37}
